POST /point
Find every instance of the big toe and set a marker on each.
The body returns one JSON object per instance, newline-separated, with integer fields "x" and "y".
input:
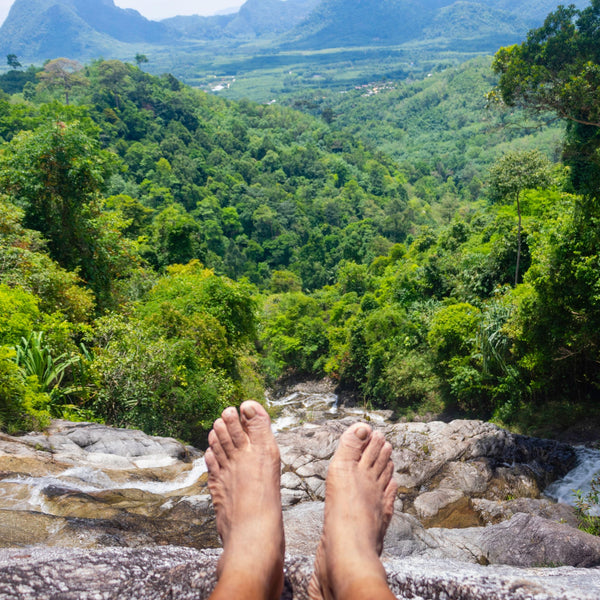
{"x": 353, "y": 442}
{"x": 256, "y": 422}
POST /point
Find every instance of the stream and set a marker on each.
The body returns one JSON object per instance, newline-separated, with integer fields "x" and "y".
{"x": 301, "y": 407}
{"x": 579, "y": 478}
{"x": 30, "y": 493}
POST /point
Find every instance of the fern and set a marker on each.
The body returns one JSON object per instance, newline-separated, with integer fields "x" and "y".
{"x": 35, "y": 359}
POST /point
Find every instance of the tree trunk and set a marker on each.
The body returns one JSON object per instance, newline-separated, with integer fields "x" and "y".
{"x": 518, "y": 242}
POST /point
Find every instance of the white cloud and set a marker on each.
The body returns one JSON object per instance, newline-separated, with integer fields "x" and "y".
{"x": 159, "y": 9}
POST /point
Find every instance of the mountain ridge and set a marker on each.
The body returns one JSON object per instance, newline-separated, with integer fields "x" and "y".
{"x": 37, "y": 30}
{"x": 75, "y": 28}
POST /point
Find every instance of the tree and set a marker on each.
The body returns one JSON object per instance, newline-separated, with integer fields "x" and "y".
{"x": 513, "y": 173}
{"x": 114, "y": 75}
{"x": 557, "y": 325}
{"x": 557, "y": 69}
{"x": 140, "y": 59}
{"x": 55, "y": 175}
{"x": 12, "y": 61}
{"x": 62, "y": 73}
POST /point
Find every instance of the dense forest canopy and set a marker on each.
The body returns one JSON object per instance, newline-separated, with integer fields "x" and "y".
{"x": 164, "y": 252}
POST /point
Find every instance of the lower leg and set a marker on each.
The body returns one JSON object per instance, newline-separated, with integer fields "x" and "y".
{"x": 244, "y": 472}
{"x": 359, "y": 503}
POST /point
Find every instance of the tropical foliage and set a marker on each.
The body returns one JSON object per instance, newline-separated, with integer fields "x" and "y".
{"x": 165, "y": 253}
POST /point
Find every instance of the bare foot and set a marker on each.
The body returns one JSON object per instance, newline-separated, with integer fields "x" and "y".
{"x": 359, "y": 504}
{"x": 243, "y": 478}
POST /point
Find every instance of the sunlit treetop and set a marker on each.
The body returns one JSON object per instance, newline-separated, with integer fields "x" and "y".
{"x": 557, "y": 68}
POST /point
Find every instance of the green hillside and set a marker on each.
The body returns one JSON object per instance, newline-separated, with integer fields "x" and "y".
{"x": 439, "y": 129}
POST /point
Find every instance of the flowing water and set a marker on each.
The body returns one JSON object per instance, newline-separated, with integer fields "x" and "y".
{"x": 26, "y": 493}
{"x": 307, "y": 407}
{"x": 579, "y": 478}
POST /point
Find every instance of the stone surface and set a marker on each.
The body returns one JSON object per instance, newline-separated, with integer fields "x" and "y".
{"x": 440, "y": 467}
{"x": 524, "y": 541}
{"x": 89, "y": 486}
{"x": 494, "y": 511}
{"x": 528, "y": 540}
{"x": 186, "y": 574}
{"x": 109, "y": 447}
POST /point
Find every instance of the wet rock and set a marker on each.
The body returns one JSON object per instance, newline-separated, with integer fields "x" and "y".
{"x": 178, "y": 526}
{"x": 87, "y": 485}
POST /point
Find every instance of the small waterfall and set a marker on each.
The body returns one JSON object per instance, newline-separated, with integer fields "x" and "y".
{"x": 579, "y": 478}
{"x": 300, "y": 407}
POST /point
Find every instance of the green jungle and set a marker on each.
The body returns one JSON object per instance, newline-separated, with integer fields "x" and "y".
{"x": 430, "y": 244}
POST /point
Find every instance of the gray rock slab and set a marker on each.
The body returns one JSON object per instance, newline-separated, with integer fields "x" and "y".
{"x": 529, "y": 540}
{"x": 93, "y": 438}
{"x": 494, "y": 511}
{"x": 430, "y": 579}
{"x": 186, "y": 574}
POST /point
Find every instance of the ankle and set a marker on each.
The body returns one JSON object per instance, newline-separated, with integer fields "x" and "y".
{"x": 363, "y": 579}
{"x": 248, "y": 584}
{"x": 373, "y": 586}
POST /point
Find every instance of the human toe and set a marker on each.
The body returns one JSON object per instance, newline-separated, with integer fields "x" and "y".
{"x": 224, "y": 437}
{"x": 234, "y": 427}
{"x": 216, "y": 447}
{"x": 373, "y": 449}
{"x": 383, "y": 459}
{"x": 256, "y": 422}
{"x": 353, "y": 442}
{"x": 212, "y": 464}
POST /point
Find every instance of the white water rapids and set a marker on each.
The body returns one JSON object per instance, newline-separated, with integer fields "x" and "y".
{"x": 88, "y": 480}
{"x": 579, "y": 478}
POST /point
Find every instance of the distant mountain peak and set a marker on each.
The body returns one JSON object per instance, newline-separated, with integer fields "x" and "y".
{"x": 39, "y": 29}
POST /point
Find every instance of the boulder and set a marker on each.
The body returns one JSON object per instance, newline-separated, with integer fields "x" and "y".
{"x": 108, "y": 447}
{"x": 91, "y": 486}
{"x": 494, "y": 511}
{"x": 523, "y": 541}
{"x": 531, "y": 541}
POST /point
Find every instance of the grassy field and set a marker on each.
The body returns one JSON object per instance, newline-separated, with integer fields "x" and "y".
{"x": 257, "y": 72}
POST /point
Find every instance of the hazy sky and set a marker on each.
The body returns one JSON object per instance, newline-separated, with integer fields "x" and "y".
{"x": 159, "y": 9}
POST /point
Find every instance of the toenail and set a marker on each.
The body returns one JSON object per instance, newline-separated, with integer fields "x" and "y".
{"x": 229, "y": 412}
{"x": 361, "y": 433}
{"x": 249, "y": 411}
